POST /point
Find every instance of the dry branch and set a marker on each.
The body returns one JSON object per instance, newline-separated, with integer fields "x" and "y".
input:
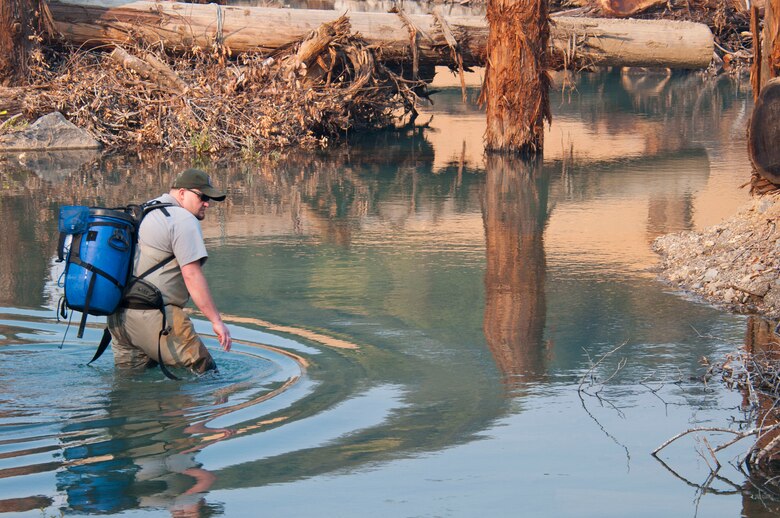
{"x": 757, "y": 374}
{"x": 151, "y": 68}
{"x": 454, "y": 47}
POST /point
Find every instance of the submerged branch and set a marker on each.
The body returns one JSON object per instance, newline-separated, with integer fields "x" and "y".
{"x": 581, "y": 391}
{"x": 714, "y": 429}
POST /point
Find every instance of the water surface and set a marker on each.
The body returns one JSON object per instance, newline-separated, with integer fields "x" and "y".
{"x": 422, "y": 330}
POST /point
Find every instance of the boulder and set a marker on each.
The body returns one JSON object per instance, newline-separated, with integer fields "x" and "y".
{"x": 50, "y": 132}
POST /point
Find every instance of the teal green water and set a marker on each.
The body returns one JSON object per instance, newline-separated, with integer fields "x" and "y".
{"x": 422, "y": 331}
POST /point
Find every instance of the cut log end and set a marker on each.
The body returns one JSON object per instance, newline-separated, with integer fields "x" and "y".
{"x": 626, "y": 8}
{"x": 764, "y": 132}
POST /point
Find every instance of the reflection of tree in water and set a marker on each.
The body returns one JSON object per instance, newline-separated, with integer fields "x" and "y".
{"x": 667, "y": 214}
{"x": 515, "y": 213}
{"x": 702, "y": 99}
{"x": 753, "y": 370}
{"x": 374, "y": 168}
{"x": 761, "y": 492}
{"x": 763, "y": 346}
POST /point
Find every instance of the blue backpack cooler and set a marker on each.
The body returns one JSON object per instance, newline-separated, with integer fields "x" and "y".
{"x": 99, "y": 259}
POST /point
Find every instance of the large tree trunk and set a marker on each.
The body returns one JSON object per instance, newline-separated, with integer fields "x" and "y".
{"x": 516, "y": 88}
{"x": 16, "y": 22}
{"x": 770, "y": 47}
{"x": 575, "y": 41}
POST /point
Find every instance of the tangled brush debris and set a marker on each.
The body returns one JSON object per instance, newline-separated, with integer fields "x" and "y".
{"x": 205, "y": 100}
{"x": 755, "y": 371}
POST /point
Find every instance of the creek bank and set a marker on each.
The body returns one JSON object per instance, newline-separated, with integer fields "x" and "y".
{"x": 733, "y": 264}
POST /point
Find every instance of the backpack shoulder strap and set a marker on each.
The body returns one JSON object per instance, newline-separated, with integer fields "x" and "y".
{"x": 146, "y": 208}
{"x": 149, "y": 206}
{"x": 157, "y": 266}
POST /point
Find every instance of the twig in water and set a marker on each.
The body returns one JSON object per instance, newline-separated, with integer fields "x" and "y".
{"x": 581, "y": 391}
{"x": 593, "y": 367}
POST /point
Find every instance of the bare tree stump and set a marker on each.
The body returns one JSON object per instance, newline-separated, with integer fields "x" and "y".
{"x": 516, "y": 88}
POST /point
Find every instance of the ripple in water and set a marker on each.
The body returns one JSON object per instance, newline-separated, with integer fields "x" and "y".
{"x": 110, "y": 441}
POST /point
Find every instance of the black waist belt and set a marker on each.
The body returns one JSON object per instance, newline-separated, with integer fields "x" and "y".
{"x": 141, "y": 305}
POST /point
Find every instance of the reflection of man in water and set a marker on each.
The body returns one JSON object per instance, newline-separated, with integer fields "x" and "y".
{"x": 170, "y": 239}
{"x": 144, "y": 458}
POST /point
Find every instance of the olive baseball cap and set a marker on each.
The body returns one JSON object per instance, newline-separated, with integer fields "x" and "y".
{"x": 200, "y": 180}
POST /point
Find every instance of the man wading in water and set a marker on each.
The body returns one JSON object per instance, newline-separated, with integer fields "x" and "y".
{"x": 170, "y": 239}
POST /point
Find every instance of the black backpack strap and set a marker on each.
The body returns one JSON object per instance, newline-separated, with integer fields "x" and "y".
{"x": 85, "y": 312}
{"x": 61, "y": 247}
{"x": 157, "y": 266}
{"x": 104, "y": 341}
{"x": 149, "y": 206}
{"x": 164, "y": 329}
{"x": 163, "y": 332}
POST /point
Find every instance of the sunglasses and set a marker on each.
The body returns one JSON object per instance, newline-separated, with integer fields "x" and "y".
{"x": 203, "y": 197}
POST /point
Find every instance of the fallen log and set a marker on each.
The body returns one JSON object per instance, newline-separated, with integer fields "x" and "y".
{"x": 575, "y": 42}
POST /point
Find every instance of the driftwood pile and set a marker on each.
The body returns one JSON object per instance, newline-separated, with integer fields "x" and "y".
{"x": 204, "y": 101}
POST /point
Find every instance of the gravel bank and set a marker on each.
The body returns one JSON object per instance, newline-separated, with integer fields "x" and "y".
{"x": 733, "y": 264}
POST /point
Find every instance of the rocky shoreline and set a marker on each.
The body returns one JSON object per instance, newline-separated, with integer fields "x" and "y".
{"x": 733, "y": 264}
